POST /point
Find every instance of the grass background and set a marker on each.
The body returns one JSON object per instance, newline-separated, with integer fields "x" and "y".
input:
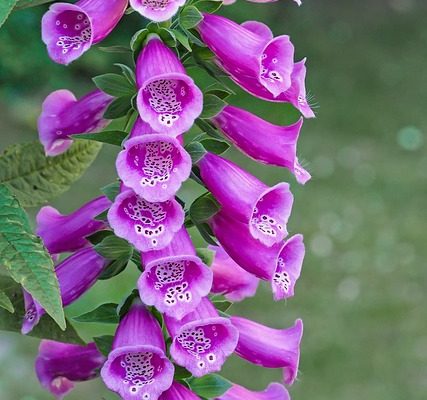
{"x": 362, "y": 293}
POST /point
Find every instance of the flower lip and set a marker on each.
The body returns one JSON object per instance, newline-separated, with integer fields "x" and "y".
{"x": 154, "y": 166}
{"x": 130, "y": 370}
{"x": 67, "y": 32}
{"x": 175, "y": 285}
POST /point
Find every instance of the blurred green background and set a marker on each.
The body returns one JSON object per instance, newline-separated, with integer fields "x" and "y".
{"x": 363, "y": 288}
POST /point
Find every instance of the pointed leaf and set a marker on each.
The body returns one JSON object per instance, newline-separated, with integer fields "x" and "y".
{"x": 30, "y": 3}
{"x": 209, "y": 386}
{"x": 114, "y": 84}
{"x": 203, "y": 208}
{"x": 215, "y": 146}
{"x": 113, "y": 247}
{"x": 206, "y": 255}
{"x": 110, "y": 137}
{"x": 104, "y": 314}
{"x": 190, "y": 17}
{"x": 6, "y": 7}
{"x": 119, "y": 107}
{"x": 104, "y": 343}
{"x": 111, "y": 190}
{"x": 6, "y": 303}
{"x": 114, "y": 268}
{"x": 212, "y": 106}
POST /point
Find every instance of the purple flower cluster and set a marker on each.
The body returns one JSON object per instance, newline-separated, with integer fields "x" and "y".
{"x": 250, "y": 224}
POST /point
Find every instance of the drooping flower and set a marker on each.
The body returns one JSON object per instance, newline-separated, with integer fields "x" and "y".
{"x": 274, "y": 391}
{"x": 76, "y": 275}
{"x": 66, "y": 233}
{"x": 178, "y": 392}
{"x": 264, "y": 209}
{"x": 269, "y": 263}
{"x": 59, "y": 365}
{"x": 153, "y": 165}
{"x": 168, "y": 98}
{"x": 69, "y": 30}
{"x": 63, "y": 115}
{"x": 258, "y": 62}
{"x": 174, "y": 279}
{"x": 230, "y": 279}
{"x": 261, "y": 140}
{"x": 148, "y": 226}
{"x": 157, "y": 10}
{"x": 268, "y": 347}
{"x": 202, "y": 340}
{"x": 137, "y": 367}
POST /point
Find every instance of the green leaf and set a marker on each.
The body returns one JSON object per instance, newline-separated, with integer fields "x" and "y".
{"x": 183, "y": 39}
{"x": 113, "y": 247}
{"x": 35, "y": 179}
{"x": 6, "y": 303}
{"x": 30, "y": 3}
{"x": 45, "y": 329}
{"x": 222, "y": 305}
{"x": 196, "y": 151}
{"x": 102, "y": 216}
{"x": 208, "y": 6}
{"x": 114, "y": 84}
{"x": 190, "y": 17}
{"x": 203, "y": 208}
{"x": 209, "y": 386}
{"x": 168, "y": 37}
{"x": 110, "y": 137}
{"x": 6, "y": 7}
{"x": 99, "y": 236}
{"x": 127, "y": 73}
{"x": 206, "y": 255}
{"x": 119, "y": 107}
{"x": 25, "y": 258}
{"x": 104, "y": 344}
{"x": 212, "y": 106}
{"x": 215, "y": 146}
{"x": 138, "y": 39}
{"x": 114, "y": 268}
{"x": 126, "y": 304}
{"x": 206, "y": 234}
{"x": 207, "y": 127}
{"x": 104, "y": 314}
{"x": 181, "y": 373}
{"x": 115, "y": 49}
{"x": 111, "y": 190}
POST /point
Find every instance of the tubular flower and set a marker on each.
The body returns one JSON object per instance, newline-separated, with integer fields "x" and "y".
{"x": 264, "y": 209}
{"x": 154, "y": 166}
{"x": 178, "y": 392}
{"x": 261, "y": 140}
{"x": 202, "y": 340}
{"x": 59, "y": 365}
{"x": 230, "y": 279}
{"x": 174, "y": 279}
{"x": 137, "y": 367}
{"x": 157, "y": 10}
{"x": 148, "y": 226}
{"x": 269, "y": 263}
{"x": 258, "y": 62}
{"x": 168, "y": 98}
{"x": 274, "y": 391}
{"x": 73, "y": 227}
{"x": 63, "y": 115}
{"x": 69, "y": 30}
{"x": 270, "y": 348}
{"x": 76, "y": 275}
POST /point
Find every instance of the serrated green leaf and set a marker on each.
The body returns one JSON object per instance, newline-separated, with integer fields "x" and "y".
{"x": 104, "y": 314}
{"x": 196, "y": 151}
{"x": 215, "y": 146}
{"x": 104, "y": 344}
{"x": 35, "y": 179}
{"x": 209, "y": 386}
{"x": 206, "y": 255}
{"x": 46, "y": 328}
{"x": 111, "y": 190}
{"x": 114, "y": 84}
{"x": 114, "y": 268}
{"x": 6, "y": 7}
{"x": 6, "y": 303}
{"x": 30, "y": 3}
{"x": 119, "y": 107}
{"x": 203, "y": 208}
{"x": 190, "y": 17}
{"x": 25, "y": 258}
{"x": 113, "y": 247}
{"x": 115, "y": 138}
{"x": 212, "y": 106}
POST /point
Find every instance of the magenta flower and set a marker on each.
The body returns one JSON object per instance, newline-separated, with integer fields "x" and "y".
{"x": 69, "y": 30}
{"x": 263, "y": 141}
{"x": 174, "y": 279}
{"x": 240, "y": 51}
{"x": 264, "y": 209}
{"x": 154, "y": 166}
{"x": 268, "y": 347}
{"x": 137, "y": 367}
{"x": 288, "y": 268}
{"x": 274, "y": 391}
{"x": 168, "y": 98}
{"x": 202, "y": 340}
{"x": 76, "y": 275}
{"x": 257, "y": 259}
{"x": 157, "y": 11}
{"x": 73, "y": 227}
{"x": 59, "y": 365}
{"x": 148, "y": 226}
{"x": 63, "y": 115}
{"x": 178, "y": 392}
{"x": 230, "y": 279}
